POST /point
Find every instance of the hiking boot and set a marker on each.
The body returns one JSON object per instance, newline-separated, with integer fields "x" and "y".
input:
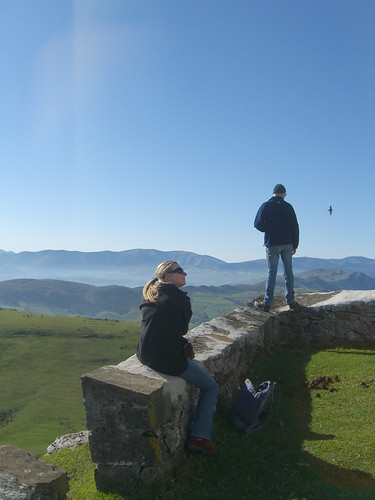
{"x": 263, "y": 306}
{"x": 201, "y": 445}
{"x": 294, "y": 305}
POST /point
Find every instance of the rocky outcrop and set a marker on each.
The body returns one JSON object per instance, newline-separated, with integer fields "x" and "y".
{"x": 69, "y": 441}
{"x": 139, "y": 419}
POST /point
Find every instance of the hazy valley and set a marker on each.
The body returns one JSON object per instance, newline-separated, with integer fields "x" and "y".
{"x": 133, "y": 268}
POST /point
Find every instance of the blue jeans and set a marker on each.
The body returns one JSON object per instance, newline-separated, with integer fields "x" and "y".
{"x": 272, "y": 256}
{"x": 209, "y": 390}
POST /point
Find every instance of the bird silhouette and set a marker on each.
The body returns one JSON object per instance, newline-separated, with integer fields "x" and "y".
{"x": 330, "y": 210}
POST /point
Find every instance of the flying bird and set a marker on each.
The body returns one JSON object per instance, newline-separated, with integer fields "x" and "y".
{"x": 330, "y": 210}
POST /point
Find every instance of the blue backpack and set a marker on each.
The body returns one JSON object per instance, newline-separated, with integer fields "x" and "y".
{"x": 252, "y": 407}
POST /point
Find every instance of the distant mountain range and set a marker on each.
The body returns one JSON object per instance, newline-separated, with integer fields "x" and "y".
{"x": 65, "y": 298}
{"x": 327, "y": 280}
{"x": 133, "y": 268}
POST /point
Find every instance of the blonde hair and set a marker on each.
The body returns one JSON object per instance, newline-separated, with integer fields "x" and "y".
{"x": 151, "y": 290}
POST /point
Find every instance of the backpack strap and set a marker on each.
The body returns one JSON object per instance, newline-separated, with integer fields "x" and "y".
{"x": 252, "y": 429}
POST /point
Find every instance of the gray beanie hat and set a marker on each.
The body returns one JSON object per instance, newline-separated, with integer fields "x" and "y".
{"x": 279, "y": 189}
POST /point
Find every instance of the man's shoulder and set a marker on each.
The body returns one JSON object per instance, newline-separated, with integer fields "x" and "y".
{"x": 266, "y": 203}
{"x": 275, "y": 201}
{"x": 279, "y": 201}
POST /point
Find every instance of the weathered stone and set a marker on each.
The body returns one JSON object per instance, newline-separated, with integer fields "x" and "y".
{"x": 68, "y": 441}
{"x": 24, "y": 477}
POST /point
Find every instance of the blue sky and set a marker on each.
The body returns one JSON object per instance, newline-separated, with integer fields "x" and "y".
{"x": 165, "y": 124}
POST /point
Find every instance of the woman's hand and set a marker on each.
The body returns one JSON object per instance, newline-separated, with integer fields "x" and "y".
{"x": 189, "y": 351}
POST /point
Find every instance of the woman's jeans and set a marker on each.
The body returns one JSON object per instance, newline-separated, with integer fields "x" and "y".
{"x": 272, "y": 256}
{"x": 203, "y": 419}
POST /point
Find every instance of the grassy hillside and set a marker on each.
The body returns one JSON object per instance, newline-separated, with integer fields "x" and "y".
{"x": 66, "y": 298}
{"x": 210, "y": 302}
{"x": 41, "y": 361}
{"x": 318, "y": 450}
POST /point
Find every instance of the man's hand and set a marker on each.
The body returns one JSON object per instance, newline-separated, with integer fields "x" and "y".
{"x": 294, "y": 251}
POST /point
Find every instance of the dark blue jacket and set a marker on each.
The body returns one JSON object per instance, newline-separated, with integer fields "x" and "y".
{"x": 277, "y": 219}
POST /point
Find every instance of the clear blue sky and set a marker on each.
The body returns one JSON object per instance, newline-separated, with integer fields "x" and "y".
{"x": 165, "y": 124}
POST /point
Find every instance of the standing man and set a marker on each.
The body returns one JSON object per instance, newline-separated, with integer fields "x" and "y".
{"x": 277, "y": 219}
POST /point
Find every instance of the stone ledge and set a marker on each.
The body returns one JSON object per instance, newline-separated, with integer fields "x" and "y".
{"x": 347, "y": 297}
{"x": 171, "y": 386}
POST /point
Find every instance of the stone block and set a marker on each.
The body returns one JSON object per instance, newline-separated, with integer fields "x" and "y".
{"x": 124, "y": 413}
{"x": 24, "y": 477}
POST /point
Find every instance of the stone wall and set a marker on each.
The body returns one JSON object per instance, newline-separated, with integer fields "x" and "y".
{"x": 139, "y": 419}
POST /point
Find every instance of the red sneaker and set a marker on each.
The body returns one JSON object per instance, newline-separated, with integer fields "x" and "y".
{"x": 200, "y": 445}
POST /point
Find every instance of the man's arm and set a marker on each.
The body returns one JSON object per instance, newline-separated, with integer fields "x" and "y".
{"x": 259, "y": 222}
{"x": 295, "y": 231}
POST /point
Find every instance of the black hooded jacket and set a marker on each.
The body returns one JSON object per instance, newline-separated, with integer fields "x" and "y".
{"x": 161, "y": 345}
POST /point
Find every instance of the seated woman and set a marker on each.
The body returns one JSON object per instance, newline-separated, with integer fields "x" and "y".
{"x": 166, "y": 312}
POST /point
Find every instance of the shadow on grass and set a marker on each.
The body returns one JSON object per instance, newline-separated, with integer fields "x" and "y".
{"x": 271, "y": 464}
{"x": 294, "y": 405}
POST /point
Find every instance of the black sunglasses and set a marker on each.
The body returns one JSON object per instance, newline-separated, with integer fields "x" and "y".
{"x": 178, "y": 270}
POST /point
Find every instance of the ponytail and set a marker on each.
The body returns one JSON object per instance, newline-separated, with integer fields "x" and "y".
{"x": 151, "y": 290}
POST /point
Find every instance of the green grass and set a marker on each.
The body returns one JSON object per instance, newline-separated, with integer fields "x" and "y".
{"x": 313, "y": 448}
{"x": 345, "y": 418}
{"x": 41, "y": 361}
